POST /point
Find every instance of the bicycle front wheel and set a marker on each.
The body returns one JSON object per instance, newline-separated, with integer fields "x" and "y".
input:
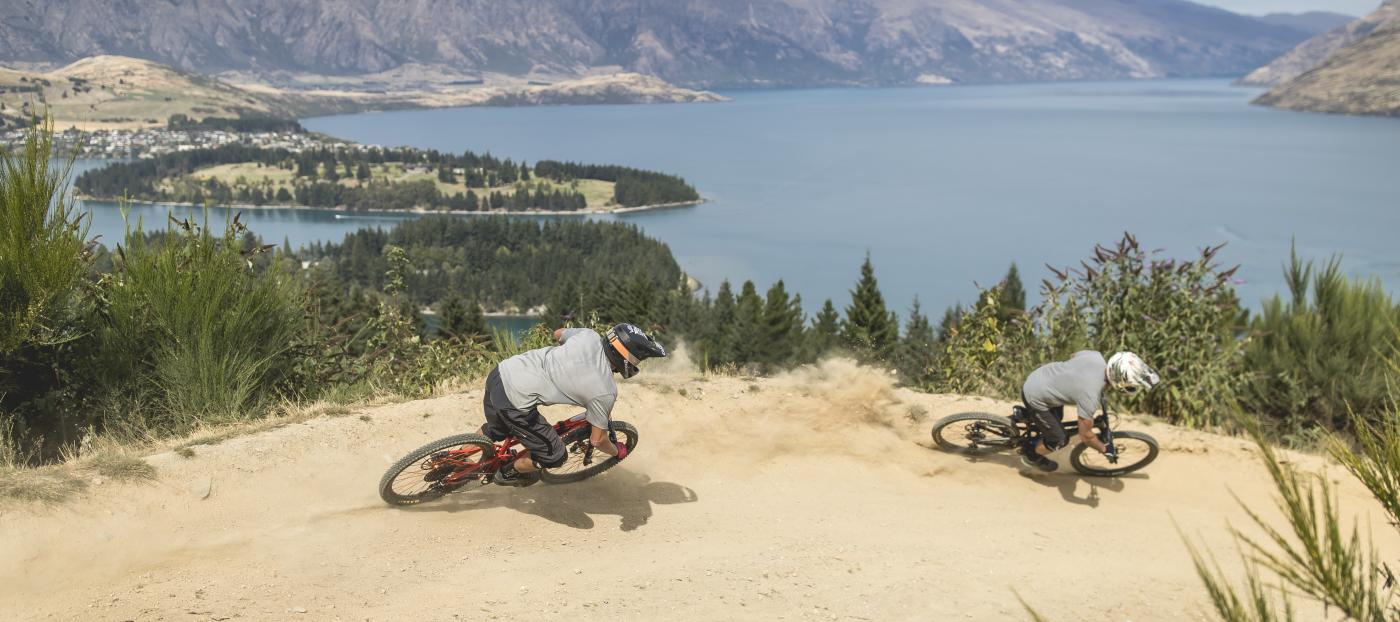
{"x": 1135, "y": 451}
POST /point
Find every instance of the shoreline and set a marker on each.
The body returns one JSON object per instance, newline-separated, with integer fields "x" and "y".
{"x": 413, "y": 212}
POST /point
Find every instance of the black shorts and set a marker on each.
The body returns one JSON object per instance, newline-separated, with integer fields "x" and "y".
{"x": 504, "y": 419}
{"x": 1050, "y": 423}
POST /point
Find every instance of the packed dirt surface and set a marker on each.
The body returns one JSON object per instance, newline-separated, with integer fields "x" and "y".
{"x": 810, "y": 496}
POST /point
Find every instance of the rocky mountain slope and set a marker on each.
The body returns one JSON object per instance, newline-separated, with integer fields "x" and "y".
{"x": 698, "y": 42}
{"x": 1315, "y": 22}
{"x": 809, "y": 496}
{"x": 117, "y": 92}
{"x": 1361, "y": 78}
{"x": 1314, "y": 51}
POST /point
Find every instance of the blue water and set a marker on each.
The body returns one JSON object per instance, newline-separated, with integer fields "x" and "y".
{"x": 946, "y": 186}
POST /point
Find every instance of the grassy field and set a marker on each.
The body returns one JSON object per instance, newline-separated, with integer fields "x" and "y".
{"x": 110, "y": 92}
{"x": 598, "y": 193}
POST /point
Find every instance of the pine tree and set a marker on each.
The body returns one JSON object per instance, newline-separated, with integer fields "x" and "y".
{"x": 362, "y": 172}
{"x": 722, "y": 318}
{"x": 475, "y": 323}
{"x": 452, "y": 317}
{"x": 782, "y": 327}
{"x": 918, "y": 349}
{"x": 565, "y": 305}
{"x": 748, "y": 333}
{"x": 950, "y": 320}
{"x": 825, "y": 333}
{"x": 1013, "y": 295}
{"x": 869, "y": 325}
{"x": 637, "y": 303}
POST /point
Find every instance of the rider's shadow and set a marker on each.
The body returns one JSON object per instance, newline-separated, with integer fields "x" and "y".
{"x": 1068, "y": 485}
{"x": 1065, "y": 481}
{"x": 627, "y": 494}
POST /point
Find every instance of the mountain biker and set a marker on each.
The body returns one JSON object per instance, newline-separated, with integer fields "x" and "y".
{"x": 1079, "y": 381}
{"x": 579, "y": 372}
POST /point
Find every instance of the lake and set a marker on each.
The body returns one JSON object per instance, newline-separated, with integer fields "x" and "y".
{"x": 944, "y": 187}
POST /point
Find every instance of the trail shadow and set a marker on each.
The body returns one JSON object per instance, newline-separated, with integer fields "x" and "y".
{"x": 627, "y": 494}
{"x": 1065, "y": 481}
{"x": 1068, "y": 484}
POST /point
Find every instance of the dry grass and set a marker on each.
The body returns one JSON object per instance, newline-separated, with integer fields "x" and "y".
{"x": 120, "y": 458}
{"x": 46, "y": 486}
{"x": 121, "y": 466}
{"x": 112, "y": 92}
{"x": 288, "y": 414}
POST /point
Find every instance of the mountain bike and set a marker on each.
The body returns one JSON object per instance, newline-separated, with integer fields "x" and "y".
{"x": 978, "y": 433}
{"x": 470, "y": 461}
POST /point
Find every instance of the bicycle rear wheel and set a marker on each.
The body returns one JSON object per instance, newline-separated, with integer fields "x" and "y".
{"x": 973, "y": 433}
{"x": 1135, "y": 451}
{"x": 583, "y": 460}
{"x": 437, "y": 468}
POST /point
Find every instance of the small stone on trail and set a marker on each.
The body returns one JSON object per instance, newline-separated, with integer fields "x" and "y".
{"x": 202, "y": 487}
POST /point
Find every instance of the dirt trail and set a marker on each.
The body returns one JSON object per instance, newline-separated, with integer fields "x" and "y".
{"x": 813, "y": 495}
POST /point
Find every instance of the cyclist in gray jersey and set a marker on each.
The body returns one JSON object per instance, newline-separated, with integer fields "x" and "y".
{"x": 579, "y": 371}
{"x": 1079, "y": 382}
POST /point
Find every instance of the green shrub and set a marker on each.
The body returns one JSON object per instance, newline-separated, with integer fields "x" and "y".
{"x": 190, "y": 332}
{"x": 985, "y": 354}
{"x": 1314, "y": 360}
{"x": 43, "y": 245}
{"x": 1181, "y": 316}
{"x": 44, "y": 255}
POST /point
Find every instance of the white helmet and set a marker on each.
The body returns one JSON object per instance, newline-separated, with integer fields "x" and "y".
{"x": 1128, "y": 373}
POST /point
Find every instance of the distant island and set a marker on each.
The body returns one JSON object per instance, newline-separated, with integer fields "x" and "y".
{"x": 370, "y": 178}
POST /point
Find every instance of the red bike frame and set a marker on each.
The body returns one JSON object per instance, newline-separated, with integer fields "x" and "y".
{"x": 506, "y": 452}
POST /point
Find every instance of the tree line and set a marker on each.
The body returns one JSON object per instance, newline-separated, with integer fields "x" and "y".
{"x": 342, "y": 177}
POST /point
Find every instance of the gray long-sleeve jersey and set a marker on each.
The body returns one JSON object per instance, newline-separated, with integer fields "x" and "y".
{"x": 575, "y": 372}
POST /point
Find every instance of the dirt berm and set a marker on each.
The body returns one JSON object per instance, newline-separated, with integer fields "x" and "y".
{"x": 812, "y": 495}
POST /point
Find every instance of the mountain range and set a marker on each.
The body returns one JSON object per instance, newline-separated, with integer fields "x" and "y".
{"x": 1352, "y": 70}
{"x": 1312, "y": 52}
{"x": 691, "y": 42}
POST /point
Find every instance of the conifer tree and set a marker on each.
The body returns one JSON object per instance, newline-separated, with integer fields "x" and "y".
{"x": 565, "y": 305}
{"x": 1013, "y": 295}
{"x": 636, "y": 302}
{"x": 452, "y": 317}
{"x": 723, "y": 318}
{"x": 869, "y": 325}
{"x": 950, "y": 320}
{"x": 748, "y": 333}
{"x": 475, "y": 322}
{"x": 782, "y": 326}
{"x": 918, "y": 349}
{"x": 825, "y": 333}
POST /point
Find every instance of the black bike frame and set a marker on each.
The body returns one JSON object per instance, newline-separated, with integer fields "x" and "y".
{"x": 1070, "y": 427}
